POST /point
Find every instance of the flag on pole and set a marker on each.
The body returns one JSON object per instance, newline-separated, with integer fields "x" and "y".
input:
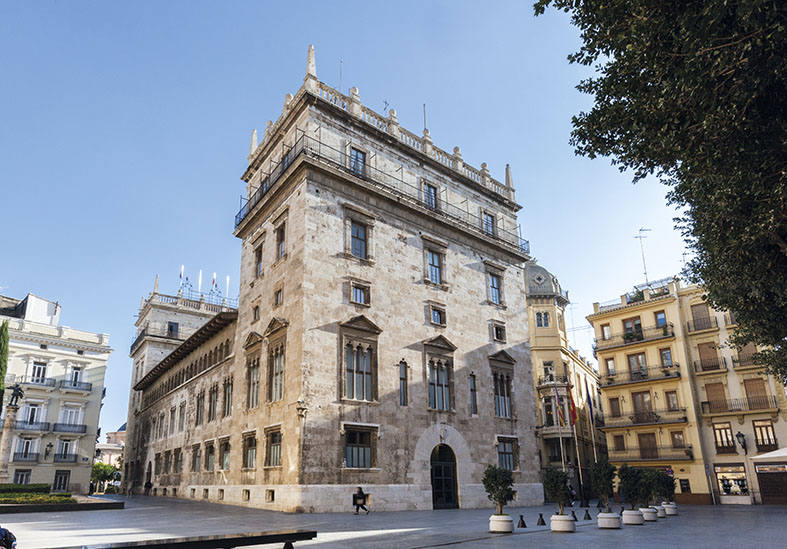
{"x": 573, "y": 408}
{"x": 213, "y": 284}
{"x": 561, "y": 418}
{"x": 590, "y": 402}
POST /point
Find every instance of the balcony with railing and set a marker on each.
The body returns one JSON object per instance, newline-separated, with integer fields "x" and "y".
{"x": 551, "y": 381}
{"x": 26, "y": 457}
{"x": 710, "y": 365}
{"x": 391, "y": 183}
{"x": 742, "y": 362}
{"x": 702, "y": 323}
{"x": 40, "y": 426}
{"x": 70, "y": 428}
{"x": 652, "y": 453}
{"x": 671, "y": 371}
{"x": 726, "y": 448}
{"x": 635, "y": 336}
{"x": 649, "y": 417}
{"x": 751, "y": 404}
{"x": 730, "y": 320}
{"x": 46, "y": 382}
{"x": 65, "y": 458}
{"x": 766, "y": 446}
{"x": 79, "y": 386}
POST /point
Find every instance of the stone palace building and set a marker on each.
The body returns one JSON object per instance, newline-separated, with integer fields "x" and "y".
{"x": 381, "y": 336}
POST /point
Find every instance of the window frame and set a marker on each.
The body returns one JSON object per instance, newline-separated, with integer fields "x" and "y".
{"x": 403, "y": 383}
{"x": 508, "y": 450}
{"x": 440, "y": 380}
{"x": 361, "y": 251}
{"x": 354, "y": 155}
{"x": 249, "y": 447}
{"x": 502, "y": 383}
{"x": 280, "y": 232}
{"x": 358, "y": 432}
{"x": 259, "y": 270}
{"x": 354, "y": 215}
{"x": 498, "y": 331}
{"x": 273, "y": 441}
{"x": 365, "y": 289}
{"x": 495, "y": 294}
{"x": 439, "y": 310}
{"x": 488, "y": 223}
{"x": 277, "y": 355}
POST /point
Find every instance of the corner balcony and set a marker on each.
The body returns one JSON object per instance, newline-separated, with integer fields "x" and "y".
{"x": 748, "y": 405}
{"x": 67, "y": 385}
{"x": 635, "y": 337}
{"x": 26, "y": 457}
{"x": 65, "y": 458}
{"x": 650, "y": 417}
{"x": 70, "y": 428}
{"x": 654, "y": 453}
{"x": 36, "y": 381}
{"x": 702, "y": 324}
{"x": 38, "y": 426}
{"x": 658, "y": 373}
{"x": 551, "y": 381}
{"x": 555, "y": 431}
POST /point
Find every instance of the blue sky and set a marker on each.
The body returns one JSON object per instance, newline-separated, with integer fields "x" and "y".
{"x": 125, "y": 129}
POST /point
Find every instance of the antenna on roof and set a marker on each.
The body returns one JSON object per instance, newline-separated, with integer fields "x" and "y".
{"x": 642, "y": 237}
{"x": 424, "y": 116}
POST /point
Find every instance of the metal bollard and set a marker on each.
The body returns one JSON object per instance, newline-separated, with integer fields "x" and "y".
{"x": 521, "y": 523}
{"x": 541, "y": 520}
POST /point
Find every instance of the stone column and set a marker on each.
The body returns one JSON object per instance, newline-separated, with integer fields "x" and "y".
{"x": 5, "y": 441}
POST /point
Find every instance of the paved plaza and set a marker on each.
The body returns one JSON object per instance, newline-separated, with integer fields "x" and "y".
{"x": 149, "y": 518}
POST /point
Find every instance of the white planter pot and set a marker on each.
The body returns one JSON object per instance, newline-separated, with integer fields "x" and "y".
{"x": 649, "y": 514}
{"x": 660, "y": 511}
{"x": 670, "y": 509}
{"x": 633, "y": 517}
{"x": 608, "y": 520}
{"x": 501, "y": 524}
{"x": 562, "y": 523}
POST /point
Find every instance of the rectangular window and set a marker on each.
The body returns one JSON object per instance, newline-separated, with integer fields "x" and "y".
{"x": 435, "y": 267}
{"x": 502, "y": 386}
{"x": 358, "y": 372}
{"x": 213, "y": 402}
{"x": 666, "y": 357}
{"x": 358, "y": 240}
{"x": 226, "y": 409}
{"x": 172, "y": 329}
{"x": 614, "y": 407}
{"x": 499, "y": 332}
{"x": 632, "y": 326}
{"x": 249, "y": 452}
{"x": 725, "y": 442}
{"x": 430, "y": 196}
{"x": 182, "y": 417}
{"x": 360, "y": 294}
{"x": 200, "y": 415}
{"x": 402, "y": 383}
{"x": 439, "y": 385}
{"x": 489, "y": 223}
{"x": 677, "y": 439}
{"x": 39, "y": 373}
{"x": 764, "y": 435}
{"x": 505, "y": 453}
{"x": 273, "y": 449}
{"x": 196, "y": 458}
{"x": 495, "y": 293}
{"x": 276, "y": 373}
{"x": 437, "y": 315}
{"x": 619, "y": 442}
{"x": 210, "y": 456}
{"x": 606, "y": 333}
{"x": 224, "y": 454}
{"x": 357, "y": 162}
{"x": 22, "y": 476}
{"x": 258, "y": 261}
{"x": 358, "y": 448}
{"x": 281, "y": 248}
{"x": 661, "y": 319}
{"x": 672, "y": 400}
{"x": 278, "y": 297}
{"x": 610, "y": 366}
{"x": 253, "y": 396}
{"x": 255, "y": 313}
{"x": 171, "y": 420}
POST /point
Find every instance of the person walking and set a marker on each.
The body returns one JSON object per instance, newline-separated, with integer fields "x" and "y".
{"x": 359, "y": 500}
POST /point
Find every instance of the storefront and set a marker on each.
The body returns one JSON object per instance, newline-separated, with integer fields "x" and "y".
{"x": 732, "y": 484}
{"x": 771, "y": 471}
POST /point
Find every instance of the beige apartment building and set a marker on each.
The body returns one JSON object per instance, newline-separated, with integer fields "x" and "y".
{"x": 560, "y": 375}
{"x": 677, "y": 395}
{"x": 61, "y": 371}
{"x": 381, "y": 337}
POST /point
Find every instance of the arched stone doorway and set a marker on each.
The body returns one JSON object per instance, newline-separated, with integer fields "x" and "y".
{"x": 443, "y": 467}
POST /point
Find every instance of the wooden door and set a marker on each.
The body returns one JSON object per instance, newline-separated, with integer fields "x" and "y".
{"x": 717, "y": 400}
{"x": 709, "y": 358}
{"x": 756, "y": 394}
{"x": 701, "y": 316}
{"x": 647, "y": 446}
{"x": 642, "y": 407}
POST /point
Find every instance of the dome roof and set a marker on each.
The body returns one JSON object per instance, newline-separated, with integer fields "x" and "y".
{"x": 542, "y": 282}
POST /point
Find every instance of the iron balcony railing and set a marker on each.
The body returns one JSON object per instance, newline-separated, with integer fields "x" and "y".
{"x": 652, "y": 453}
{"x": 748, "y": 404}
{"x": 730, "y": 319}
{"x": 726, "y": 449}
{"x": 767, "y": 446}
{"x": 65, "y": 458}
{"x": 635, "y": 336}
{"x": 710, "y": 364}
{"x": 701, "y": 323}
{"x": 743, "y": 362}
{"x": 70, "y": 428}
{"x": 26, "y": 456}
{"x": 643, "y": 374}
{"x": 76, "y": 385}
{"x": 390, "y": 182}
{"x": 32, "y": 425}
{"x": 648, "y": 417}
{"x": 551, "y": 380}
{"x": 36, "y": 380}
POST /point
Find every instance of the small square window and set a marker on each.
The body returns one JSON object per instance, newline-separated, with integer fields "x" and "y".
{"x": 278, "y": 297}
{"x": 499, "y": 332}
{"x": 255, "y": 313}
{"x": 281, "y": 248}
{"x": 43, "y": 346}
{"x": 246, "y": 495}
{"x": 270, "y": 496}
{"x": 80, "y": 352}
{"x": 438, "y": 315}
{"x": 360, "y": 294}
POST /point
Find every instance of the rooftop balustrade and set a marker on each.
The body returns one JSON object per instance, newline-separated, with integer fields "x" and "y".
{"x": 635, "y": 336}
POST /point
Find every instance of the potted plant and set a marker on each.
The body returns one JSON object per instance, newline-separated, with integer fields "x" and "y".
{"x": 556, "y": 488}
{"x": 602, "y": 476}
{"x": 629, "y": 479}
{"x": 498, "y": 483}
{"x": 647, "y": 494}
{"x": 667, "y": 493}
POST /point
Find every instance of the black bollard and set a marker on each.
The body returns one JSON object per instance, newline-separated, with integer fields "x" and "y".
{"x": 521, "y": 523}
{"x": 587, "y": 515}
{"x": 585, "y": 503}
{"x": 541, "y": 520}
{"x": 621, "y": 511}
{"x": 599, "y": 504}
{"x": 573, "y": 516}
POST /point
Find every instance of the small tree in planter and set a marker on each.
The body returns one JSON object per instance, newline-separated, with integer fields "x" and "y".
{"x": 648, "y": 487}
{"x": 602, "y": 475}
{"x": 665, "y": 487}
{"x": 498, "y": 483}
{"x": 556, "y": 488}
{"x": 630, "y": 480}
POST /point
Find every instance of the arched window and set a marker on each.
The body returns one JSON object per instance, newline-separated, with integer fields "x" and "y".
{"x": 358, "y": 371}
{"x": 546, "y": 320}
{"x": 539, "y": 320}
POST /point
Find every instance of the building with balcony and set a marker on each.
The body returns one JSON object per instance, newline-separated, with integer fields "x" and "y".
{"x": 559, "y": 371}
{"x": 677, "y": 394}
{"x": 61, "y": 371}
{"x": 381, "y": 334}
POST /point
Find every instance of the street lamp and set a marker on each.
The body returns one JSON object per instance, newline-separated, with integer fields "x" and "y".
{"x": 742, "y": 441}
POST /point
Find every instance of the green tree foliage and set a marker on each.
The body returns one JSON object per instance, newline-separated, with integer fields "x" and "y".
{"x": 556, "y": 487}
{"x": 630, "y": 484}
{"x": 498, "y": 483}
{"x": 102, "y": 472}
{"x": 694, "y": 93}
{"x": 665, "y": 489}
{"x": 602, "y": 476}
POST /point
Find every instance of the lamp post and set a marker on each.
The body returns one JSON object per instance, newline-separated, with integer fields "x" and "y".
{"x": 742, "y": 441}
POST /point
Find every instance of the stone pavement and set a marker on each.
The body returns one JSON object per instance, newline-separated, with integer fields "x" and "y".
{"x": 150, "y": 518}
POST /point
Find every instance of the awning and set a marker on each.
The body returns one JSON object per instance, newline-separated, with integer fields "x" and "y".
{"x": 780, "y": 454}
